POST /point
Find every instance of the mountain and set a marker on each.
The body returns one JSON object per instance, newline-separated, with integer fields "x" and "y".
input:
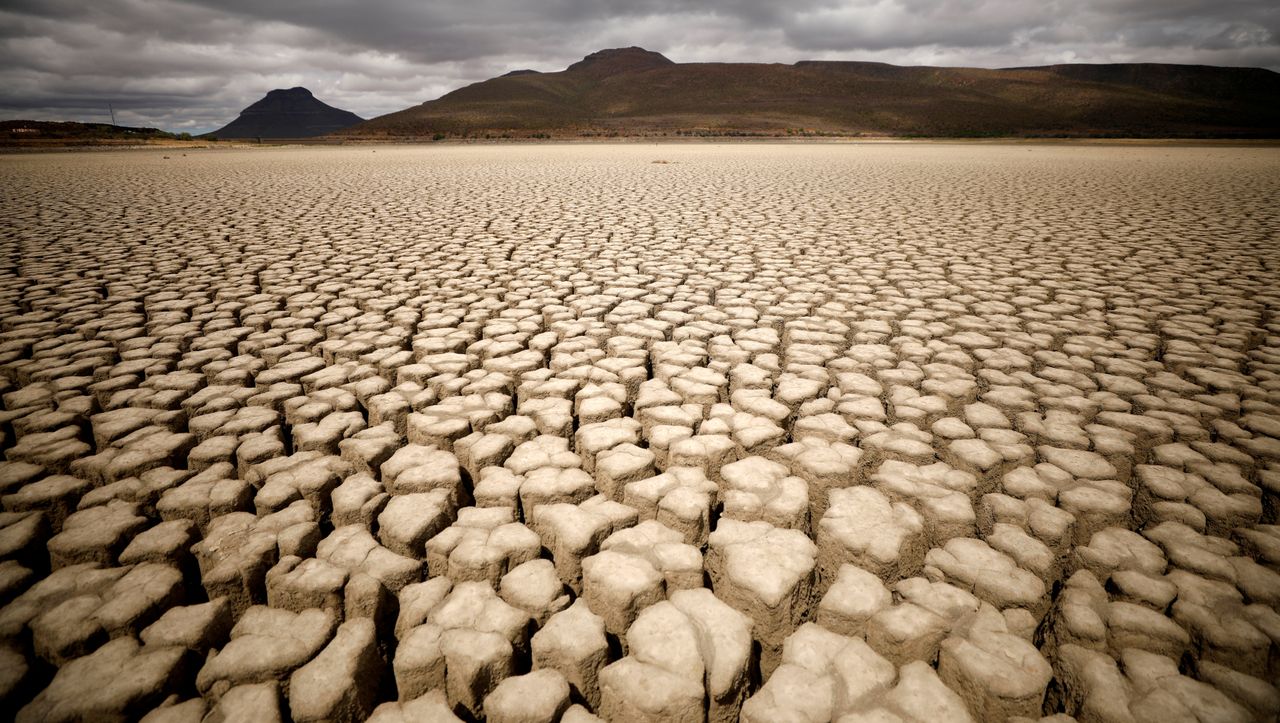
{"x": 632, "y": 91}
{"x": 292, "y": 113}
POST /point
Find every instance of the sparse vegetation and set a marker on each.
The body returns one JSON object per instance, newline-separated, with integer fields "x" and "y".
{"x": 35, "y": 134}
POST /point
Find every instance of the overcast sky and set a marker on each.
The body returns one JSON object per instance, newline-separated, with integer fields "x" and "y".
{"x": 192, "y": 65}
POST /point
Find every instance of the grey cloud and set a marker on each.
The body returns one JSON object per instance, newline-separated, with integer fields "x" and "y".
{"x": 881, "y": 24}
{"x": 193, "y": 64}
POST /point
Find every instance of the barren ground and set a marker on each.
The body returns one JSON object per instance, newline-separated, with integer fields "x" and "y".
{"x": 804, "y": 433}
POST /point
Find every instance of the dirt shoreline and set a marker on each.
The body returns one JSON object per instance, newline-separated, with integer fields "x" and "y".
{"x": 56, "y": 147}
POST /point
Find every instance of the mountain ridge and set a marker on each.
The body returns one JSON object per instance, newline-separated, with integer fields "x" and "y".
{"x": 633, "y": 91}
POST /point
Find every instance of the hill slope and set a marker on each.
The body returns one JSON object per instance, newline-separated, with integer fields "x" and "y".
{"x": 292, "y": 113}
{"x": 634, "y": 91}
{"x": 69, "y": 133}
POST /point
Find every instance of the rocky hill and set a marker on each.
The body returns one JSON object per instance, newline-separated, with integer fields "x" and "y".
{"x": 632, "y": 91}
{"x": 291, "y": 113}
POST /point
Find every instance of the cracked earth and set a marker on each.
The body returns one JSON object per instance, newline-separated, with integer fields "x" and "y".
{"x": 883, "y": 432}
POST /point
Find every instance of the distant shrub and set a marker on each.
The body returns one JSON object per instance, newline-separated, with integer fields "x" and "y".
{"x": 438, "y": 137}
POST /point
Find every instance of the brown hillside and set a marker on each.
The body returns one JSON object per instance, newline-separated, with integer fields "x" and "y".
{"x": 635, "y": 91}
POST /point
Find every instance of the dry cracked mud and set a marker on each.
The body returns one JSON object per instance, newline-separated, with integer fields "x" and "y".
{"x": 838, "y": 432}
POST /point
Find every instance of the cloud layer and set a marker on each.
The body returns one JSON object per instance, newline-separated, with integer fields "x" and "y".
{"x": 192, "y": 65}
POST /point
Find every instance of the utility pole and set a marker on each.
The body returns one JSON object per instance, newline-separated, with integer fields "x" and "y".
{"x": 112, "y": 111}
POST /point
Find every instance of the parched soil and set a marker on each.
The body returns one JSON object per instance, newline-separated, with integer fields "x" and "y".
{"x": 641, "y": 433}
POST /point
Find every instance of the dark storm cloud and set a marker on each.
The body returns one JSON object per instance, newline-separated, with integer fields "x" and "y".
{"x": 192, "y": 65}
